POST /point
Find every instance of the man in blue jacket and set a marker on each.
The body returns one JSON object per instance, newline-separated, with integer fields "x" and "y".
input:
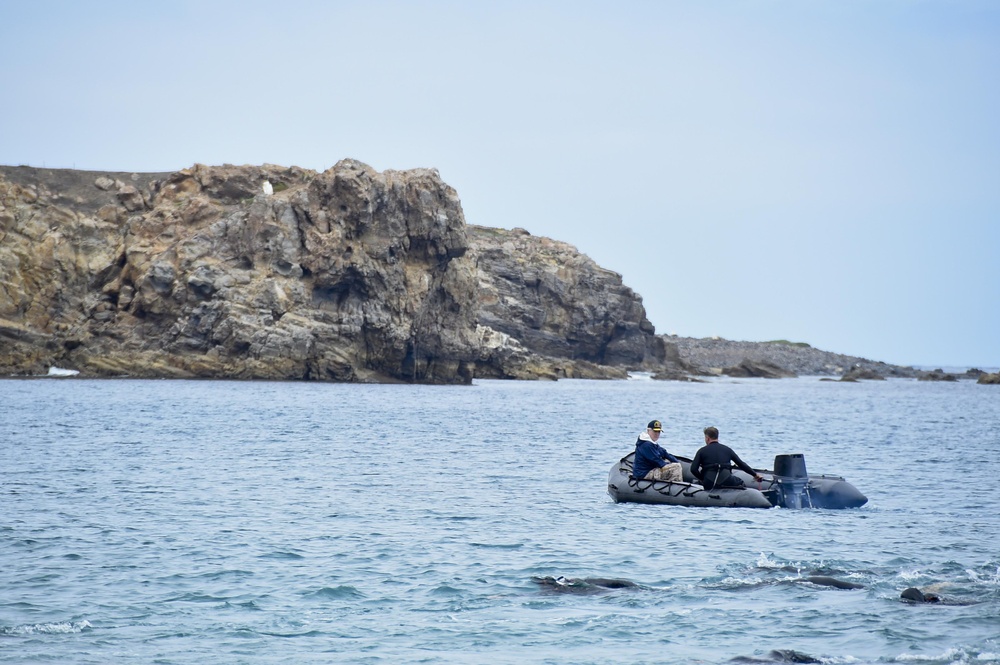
{"x": 653, "y": 462}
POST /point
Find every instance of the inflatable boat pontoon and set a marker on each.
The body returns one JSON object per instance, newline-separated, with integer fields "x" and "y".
{"x": 788, "y": 486}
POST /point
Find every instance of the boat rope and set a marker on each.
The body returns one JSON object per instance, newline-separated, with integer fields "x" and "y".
{"x": 666, "y": 488}
{"x": 661, "y": 486}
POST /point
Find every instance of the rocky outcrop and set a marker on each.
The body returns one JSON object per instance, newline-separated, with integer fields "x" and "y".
{"x": 345, "y": 275}
{"x": 560, "y": 303}
{"x": 713, "y": 355}
{"x": 937, "y": 375}
{"x": 747, "y": 368}
{"x": 861, "y": 374}
{"x": 348, "y": 275}
{"x": 989, "y": 379}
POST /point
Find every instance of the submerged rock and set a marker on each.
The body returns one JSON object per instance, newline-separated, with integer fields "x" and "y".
{"x": 583, "y": 585}
{"x": 915, "y": 595}
{"x": 778, "y": 656}
{"x": 826, "y": 580}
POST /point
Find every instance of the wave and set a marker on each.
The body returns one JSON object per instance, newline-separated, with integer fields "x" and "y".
{"x": 310, "y": 633}
{"x": 56, "y": 628}
{"x": 951, "y": 583}
{"x": 281, "y": 555}
{"x": 343, "y": 592}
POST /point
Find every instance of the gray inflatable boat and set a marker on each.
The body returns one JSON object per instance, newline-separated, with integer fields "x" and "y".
{"x": 788, "y": 486}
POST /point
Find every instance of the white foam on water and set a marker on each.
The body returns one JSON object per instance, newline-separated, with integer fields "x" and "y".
{"x": 58, "y": 628}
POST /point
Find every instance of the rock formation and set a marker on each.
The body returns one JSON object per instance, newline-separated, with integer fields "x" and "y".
{"x": 757, "y": 368}
{"x": 861, "y": 373}
{"x": 937, "y": 375}
{"x": 349, "y": 275}
{"x": 560, "y": 303}
{"x": 713, "y": 355}
{"x": 284, "y": 273}
{"x": 270, "y": 272}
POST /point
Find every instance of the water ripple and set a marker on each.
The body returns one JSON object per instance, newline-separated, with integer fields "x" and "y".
{"x": 270, "y": 522}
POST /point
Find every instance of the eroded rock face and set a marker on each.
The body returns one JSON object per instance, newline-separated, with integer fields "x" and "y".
{"x": 345, "y": 275}
{"x": 560, "y": 303}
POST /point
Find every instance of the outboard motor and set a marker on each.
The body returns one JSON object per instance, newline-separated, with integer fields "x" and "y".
{"x": 791, "y": 477}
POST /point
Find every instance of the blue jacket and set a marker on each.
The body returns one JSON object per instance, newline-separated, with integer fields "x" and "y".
{"x": 649, "y": 456}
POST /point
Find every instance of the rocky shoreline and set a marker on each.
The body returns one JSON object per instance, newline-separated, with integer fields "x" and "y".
{"x": 353, "y": 275}
{"x": 781, "y": 358}
{"x": 268, "y": 272}
{"x": 717, "y": 355}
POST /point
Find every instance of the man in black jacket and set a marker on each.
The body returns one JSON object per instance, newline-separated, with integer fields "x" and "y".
{"x": 711, "y": 464}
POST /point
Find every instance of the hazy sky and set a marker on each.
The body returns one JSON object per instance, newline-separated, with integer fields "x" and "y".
{"x": 817, "y": 171}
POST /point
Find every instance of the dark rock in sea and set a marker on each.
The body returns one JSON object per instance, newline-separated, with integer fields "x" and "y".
{"x": 583, "y": 585}
{"x": 989, "y": 379}
{"x": 778, "y": 656}
{"x": 937, "y": 375}
{"x": 862, "y": 373}
{"x": 915, "y": 595}
{"x": 757, "y": 368}
{"x": 826, "y": 580}
{"x": 675, "y": 375}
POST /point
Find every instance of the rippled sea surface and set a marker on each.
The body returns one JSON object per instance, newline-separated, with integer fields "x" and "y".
{"x": 233, "y": 522}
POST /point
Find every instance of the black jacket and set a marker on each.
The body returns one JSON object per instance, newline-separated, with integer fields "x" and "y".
{"x": 711, "y": 465}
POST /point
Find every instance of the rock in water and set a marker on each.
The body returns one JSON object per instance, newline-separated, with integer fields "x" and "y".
{"x": 915, "y": 595}
{"x": 989, "y": 379}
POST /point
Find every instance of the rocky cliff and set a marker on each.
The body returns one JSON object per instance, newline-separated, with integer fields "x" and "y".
{"x": 560, "y": 303}
{"x": 285, "y": 273}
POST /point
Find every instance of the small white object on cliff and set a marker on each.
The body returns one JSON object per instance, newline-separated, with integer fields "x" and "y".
{"x": 59, "y": 371}
{"x": 267, "y": 189}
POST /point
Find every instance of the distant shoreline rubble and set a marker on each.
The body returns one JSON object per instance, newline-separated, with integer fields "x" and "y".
{"x": 780, "y": 358}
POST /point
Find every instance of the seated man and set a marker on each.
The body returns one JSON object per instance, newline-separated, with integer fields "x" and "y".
{"x": 653, "y": 462}
{"x": 711, "y": 464}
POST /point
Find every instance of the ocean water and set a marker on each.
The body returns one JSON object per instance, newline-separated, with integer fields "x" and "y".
{"x": 242, "y": 522}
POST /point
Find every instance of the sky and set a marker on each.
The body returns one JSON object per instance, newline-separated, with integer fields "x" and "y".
{"x": 823, "y": 171}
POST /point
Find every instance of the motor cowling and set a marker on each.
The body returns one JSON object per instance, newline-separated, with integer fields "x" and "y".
{"x": 792, "y": 479}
